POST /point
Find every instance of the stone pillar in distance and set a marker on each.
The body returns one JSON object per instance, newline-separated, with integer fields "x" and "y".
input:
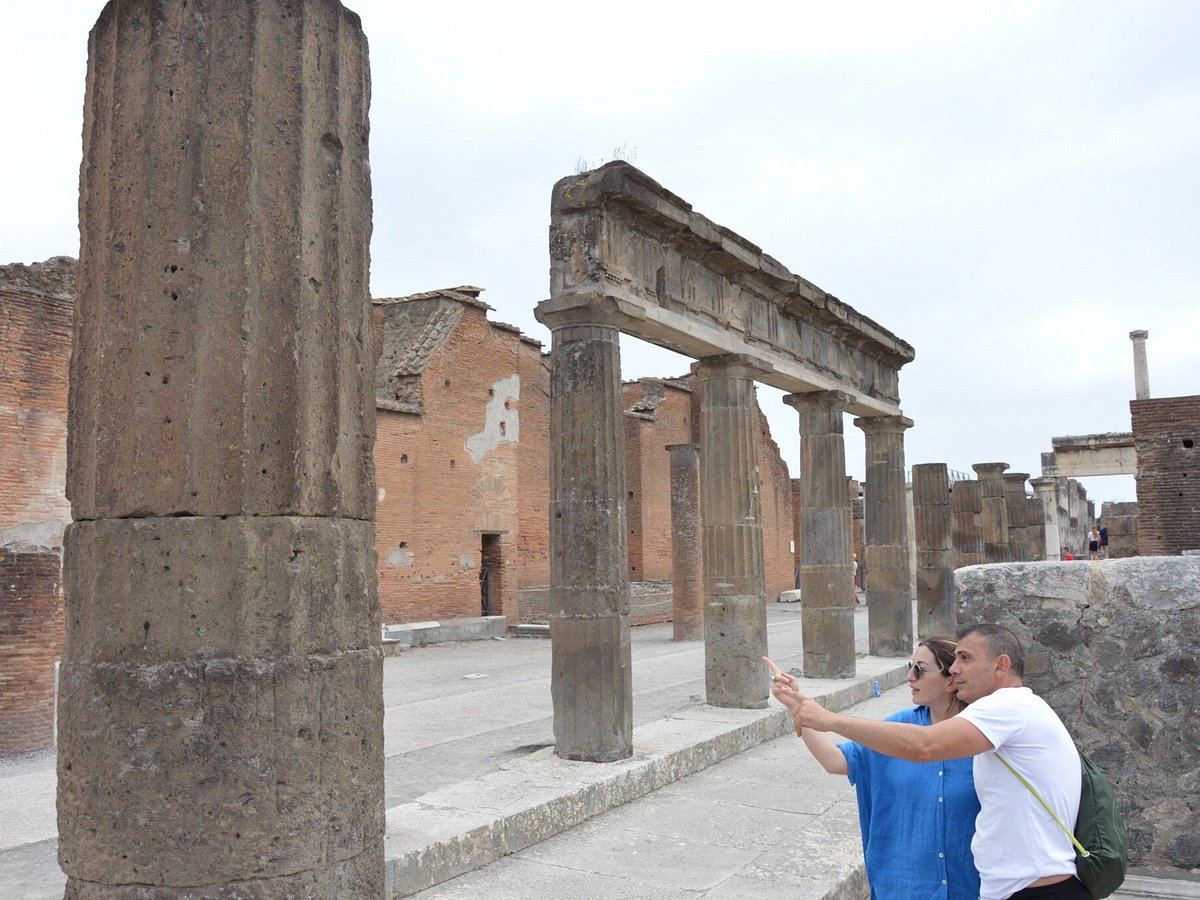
{"x": 1141, "y": 370}
{"x": 1047, "y": 494}
{"x": 995, "y": 511}
{"x": 687, "y": 571}
{"x": 1015, "y": 508}
{"x": 826, "y": 572}
{"x": 220, "y": 711}
{"x": 936, "y": 612}
{"x": 888, "y": 546}
{"x": 591, "y": 680}
{"x": 735, "y": 614}
{"x": 966, "y": 532}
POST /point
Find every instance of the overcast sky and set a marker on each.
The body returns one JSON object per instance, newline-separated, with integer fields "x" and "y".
{"x": 1011, "y": 187}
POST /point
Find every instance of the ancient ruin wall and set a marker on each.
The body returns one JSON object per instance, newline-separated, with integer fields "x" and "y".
{"x": 1166, "y": 433}
{"x": 1111, "y": 646}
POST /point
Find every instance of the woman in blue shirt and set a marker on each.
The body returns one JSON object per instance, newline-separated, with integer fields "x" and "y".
{"x": 917, "y": 819}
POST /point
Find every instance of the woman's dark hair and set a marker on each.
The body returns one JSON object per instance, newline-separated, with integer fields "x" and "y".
{"x": 942, "y": 647}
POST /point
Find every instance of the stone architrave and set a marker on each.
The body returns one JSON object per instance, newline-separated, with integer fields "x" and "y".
{"x": 994, "y": 511}
{"x": 221, "y": 715}
{"x": 591, "y": 681}
{"x": 687, "y": 573}
{"x": 1015, "y": 507}
{"x": 889, "y": 547}
{"x": 1046, "y": 495}
{"x": 966, "y": 504}
{"x": 826, "y": 571}
{"x": 936, "y": 612}
{"x": 735, "y": 615}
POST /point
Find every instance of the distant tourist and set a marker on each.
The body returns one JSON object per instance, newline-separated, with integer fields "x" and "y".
{"x": 1094, "y": 543}
{"x": 1019, "y": 850}
{"x": 1104, "y": 541}
{"x": 1067, "y": 554}
{"x": 917, "y": 818}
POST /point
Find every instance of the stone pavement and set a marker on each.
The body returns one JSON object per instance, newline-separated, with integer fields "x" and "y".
{"x": 471, "y": 778}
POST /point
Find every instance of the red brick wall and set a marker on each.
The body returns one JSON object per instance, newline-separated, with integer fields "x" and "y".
{"x": 1166, "y": 435}
{"x": 776, "y": 503}
{"x": 29, "y": 605}
{"x": 533, "y": 496}
{"x": 435, "y": 500}
{"x": 35, "y": 348}
{"x": 648, "y": 473}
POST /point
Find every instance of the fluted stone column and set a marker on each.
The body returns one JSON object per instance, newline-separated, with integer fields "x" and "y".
{"x": 1015, "y": 506}
{"x": 687, "y": 571}
{"x": 1141, "y": 370}
{"x": 1047, "y": 496}
{"x": 995, "y": 511}
{"x": 936, "y": 613}
{"x": 826, "y": 573}
{"x": 966, "y": 504}
{"x": 220, "y": 718}
{"x": 735, "y": 615}
{"x": 591, "y": 680}
{"x": 889, "y": 547}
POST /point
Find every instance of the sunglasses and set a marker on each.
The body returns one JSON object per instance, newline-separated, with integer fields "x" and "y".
{"x": 918, "y": 670}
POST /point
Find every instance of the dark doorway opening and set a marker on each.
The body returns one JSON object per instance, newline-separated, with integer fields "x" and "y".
{"x": 490, "y": 578}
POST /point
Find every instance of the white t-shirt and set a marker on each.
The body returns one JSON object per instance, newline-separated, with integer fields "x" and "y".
{"x": 1016, "y": 841}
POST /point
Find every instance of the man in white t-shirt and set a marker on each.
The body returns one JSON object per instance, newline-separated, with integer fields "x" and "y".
{"x": 1019, "y": 849}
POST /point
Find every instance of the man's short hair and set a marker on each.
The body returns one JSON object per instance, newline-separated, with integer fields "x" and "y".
{"x": 999, "y": 640}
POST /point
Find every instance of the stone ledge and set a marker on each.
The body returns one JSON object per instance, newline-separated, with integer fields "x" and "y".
{"x": 418, "y": 634}
{"x": 468, "y": 825}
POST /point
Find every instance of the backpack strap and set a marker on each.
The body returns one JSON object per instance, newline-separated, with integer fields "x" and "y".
{"x": 1078, "y": 846}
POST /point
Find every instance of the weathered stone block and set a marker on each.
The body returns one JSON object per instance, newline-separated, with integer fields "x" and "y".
{"x": 150, "y": 591}
{"x": 735, "y": 635}
{"x": 222, "y": 332}
{"x": 203, "y": 771}
{"x": 828, "y": 642}
{"x": 592, "y": 687}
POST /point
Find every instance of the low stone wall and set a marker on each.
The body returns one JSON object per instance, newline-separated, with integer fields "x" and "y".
{"x": 1112, "y": 647}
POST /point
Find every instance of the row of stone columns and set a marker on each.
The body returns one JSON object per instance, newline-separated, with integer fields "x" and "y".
{"x": 591, "y": 683}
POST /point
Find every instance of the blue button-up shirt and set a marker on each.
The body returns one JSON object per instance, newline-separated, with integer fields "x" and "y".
{"x": 917, "y": 821}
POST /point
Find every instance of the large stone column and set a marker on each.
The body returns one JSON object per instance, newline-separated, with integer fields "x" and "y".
{"x": 936, "y": 612}
{"x": 826, "y": 573}
{"x": 889, "y": 548}
{"x": 220, "y": 718}
{"x": 1141, "y": 370}
{"x": 687, "y": 571}
{"x": 966, "y": 504}
{"x": 735, "y": 615}
{"x": 591, "y": 680}
{"x": 995, "y": 511}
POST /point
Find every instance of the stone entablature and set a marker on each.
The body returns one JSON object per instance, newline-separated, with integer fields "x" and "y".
{"x": 1081, "y": 455}
{"x": 695, "y": 287}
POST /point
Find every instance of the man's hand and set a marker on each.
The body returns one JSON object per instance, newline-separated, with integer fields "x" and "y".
{"x": 806, "y": 712}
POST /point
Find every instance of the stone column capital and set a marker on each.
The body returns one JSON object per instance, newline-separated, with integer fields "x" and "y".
{"x": 586, "y": 309}
{"x": 731, "y": 365}
{"x": 1045, "y": 483}
{"x": 990, "y": 469}
{"x": 884, "y": 424}
{"x": 831, "y": 401}
{"x": 1138, "y": 335}
{"x": 1016, "y": 476}
{"x": 684, "y": 454}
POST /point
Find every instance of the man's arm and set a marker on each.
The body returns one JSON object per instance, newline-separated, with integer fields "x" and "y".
{"x": 952, "y": 738}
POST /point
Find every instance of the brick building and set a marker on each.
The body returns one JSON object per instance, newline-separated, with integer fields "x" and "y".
{"x": 1166, "y": 436}
{"x": 35, "y": 345}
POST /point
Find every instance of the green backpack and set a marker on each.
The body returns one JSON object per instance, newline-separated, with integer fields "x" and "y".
{"x": 1101, "y": 852}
